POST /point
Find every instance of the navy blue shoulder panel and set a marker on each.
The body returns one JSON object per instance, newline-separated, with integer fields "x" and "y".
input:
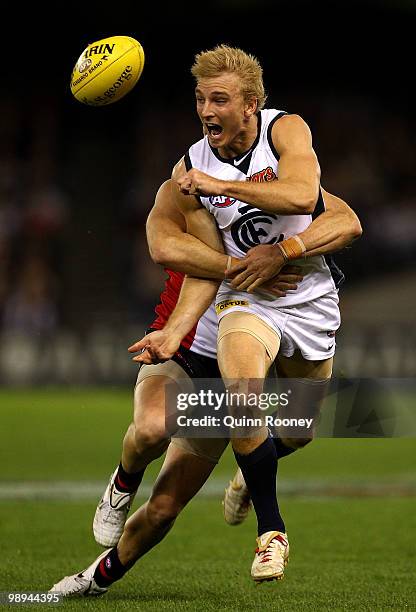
{"x": 188, "y": 163}
{"x": 269, "y": 133}
{"x": 337, "y": 274}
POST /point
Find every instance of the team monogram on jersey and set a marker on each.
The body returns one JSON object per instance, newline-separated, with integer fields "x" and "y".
{"x": 262, "y": 176}
{"x": 252, "y": 228}
{"x": 221, "y": 201}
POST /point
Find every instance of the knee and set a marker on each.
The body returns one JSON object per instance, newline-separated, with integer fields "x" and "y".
{"x": 247, "y": 445}
{"x": 296, "y": 443}
{"x": 149, "y": 430}
{"x": 150, "y": 435}
{"x": 162, "y": 511}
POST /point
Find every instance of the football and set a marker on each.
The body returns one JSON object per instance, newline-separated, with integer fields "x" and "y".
{"x": 107, "y": 70}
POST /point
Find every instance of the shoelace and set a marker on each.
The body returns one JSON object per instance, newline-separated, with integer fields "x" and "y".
{"x": 110, "y": 516}
{"x": 267, "y": 554}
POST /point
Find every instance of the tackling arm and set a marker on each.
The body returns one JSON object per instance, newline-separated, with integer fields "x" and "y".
{"x": 196, "y": 293}
{"x": 331, "y": 231}
{"x": 170, "y": 245}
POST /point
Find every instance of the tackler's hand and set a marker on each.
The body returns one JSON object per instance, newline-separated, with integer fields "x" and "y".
{"x": 261, "y": 263}
{"x": 156, "y": 347}
{"x": 288, "y": 279}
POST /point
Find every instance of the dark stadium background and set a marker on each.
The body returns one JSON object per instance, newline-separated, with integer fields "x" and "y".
{"x": 76, "y": 183}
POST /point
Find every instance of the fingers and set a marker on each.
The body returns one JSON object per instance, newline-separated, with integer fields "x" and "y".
{"x": 189, "y": 188}
{"x": 246, "y": 283}
{"x": 188, "y": 184}
{"x": 185, "y": 184}
{"x": 150, "y": 357}
{"x": 254, "y": 285}
{"x": 145, "y": 357}
{"x": 139, "y": 345}
{"x": 240, "y": 278}
{"x": 288, "y": 278}
{"x": 276, "y": 292}
{"x": 291, "y": 270}
{"x": 285, "y": 286}
{"x": 185, "y": 187}
{"x": 237, "y": 267}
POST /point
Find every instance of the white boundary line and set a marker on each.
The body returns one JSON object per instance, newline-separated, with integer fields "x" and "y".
{"x": 92, "y": 490}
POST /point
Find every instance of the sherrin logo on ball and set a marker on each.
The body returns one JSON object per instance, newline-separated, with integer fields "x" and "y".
{"x": 106, "y": 70}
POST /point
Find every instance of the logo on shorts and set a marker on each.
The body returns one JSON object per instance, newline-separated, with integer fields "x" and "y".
{"x": 221, "y": 306}
{"x": 330, "y": 334}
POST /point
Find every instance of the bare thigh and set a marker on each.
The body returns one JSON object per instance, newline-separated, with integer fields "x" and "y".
{"x": 243, "y": 362}
{"x": 310, "y": 381}
{"x": 299, "y": 367}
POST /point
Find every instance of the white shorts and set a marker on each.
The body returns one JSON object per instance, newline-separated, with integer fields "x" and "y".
{"x": 308, "y": 327}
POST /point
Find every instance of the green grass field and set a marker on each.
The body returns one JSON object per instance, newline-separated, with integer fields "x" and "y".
{"x": 353, "y": 552}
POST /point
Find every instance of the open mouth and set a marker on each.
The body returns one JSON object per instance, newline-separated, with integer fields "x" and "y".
{"x": 213, "y": 129}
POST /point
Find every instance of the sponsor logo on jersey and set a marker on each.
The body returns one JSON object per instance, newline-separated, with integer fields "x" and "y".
{"x": 221, "y": 306}
{"x": 221, "y": 201}
{"x": 267, "y": 174}
{"x": 253, "y": 228}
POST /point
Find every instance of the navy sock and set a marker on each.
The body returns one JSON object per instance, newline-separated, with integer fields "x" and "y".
{"x": 127, "y": 482}
{"x": 281, "y": 449}
{"x": 260, "y": 470}
{"x": 110, "y": 569}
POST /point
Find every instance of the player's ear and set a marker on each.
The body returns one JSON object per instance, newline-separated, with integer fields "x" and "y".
{"x": 250, "y": 107}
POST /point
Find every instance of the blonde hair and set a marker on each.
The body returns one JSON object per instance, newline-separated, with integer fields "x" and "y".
{"x": 230, "y": 59}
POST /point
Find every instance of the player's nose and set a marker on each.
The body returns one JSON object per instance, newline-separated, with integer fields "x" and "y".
{"x": 206, "y": 110}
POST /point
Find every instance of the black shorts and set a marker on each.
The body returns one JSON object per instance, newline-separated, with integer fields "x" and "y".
{"x": 194, "y": 364}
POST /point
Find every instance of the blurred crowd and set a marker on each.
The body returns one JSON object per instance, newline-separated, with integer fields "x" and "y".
{"x": 59, "y": 245}
{"x": 34, "y": 212}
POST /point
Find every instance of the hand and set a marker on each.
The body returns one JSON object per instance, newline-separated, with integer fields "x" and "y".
{"x": 287, "y": 279}
{"x": 261, "y": 263}
{"x": 196, "y": 182}
{"x": 156, "y": 347}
